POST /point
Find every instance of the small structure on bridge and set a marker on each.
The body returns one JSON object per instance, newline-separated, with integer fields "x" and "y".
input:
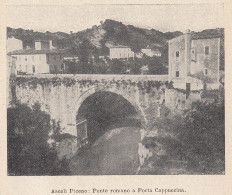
{"x": 82, "y": 133}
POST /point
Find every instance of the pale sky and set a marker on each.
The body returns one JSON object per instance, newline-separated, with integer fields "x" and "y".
{"x": 79, "y": 17}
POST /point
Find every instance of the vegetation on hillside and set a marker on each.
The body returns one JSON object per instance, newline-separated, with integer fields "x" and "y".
{"x": 90, "y": 64}
{"x": 96, "y": 40}
{"x": 28, "y": 151}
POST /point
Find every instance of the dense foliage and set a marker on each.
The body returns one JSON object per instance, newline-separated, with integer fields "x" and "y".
{"x": 202, "y": 134}
{"x": 99, "y": 66}
{"x": 28, "y": 150}
{"x": 194, "y": 143}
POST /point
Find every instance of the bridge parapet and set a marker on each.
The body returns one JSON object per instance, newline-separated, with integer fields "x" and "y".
{"x": 100, "y": 77}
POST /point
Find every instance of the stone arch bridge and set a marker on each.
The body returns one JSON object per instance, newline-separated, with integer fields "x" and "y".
{"x": 62, "y": 95}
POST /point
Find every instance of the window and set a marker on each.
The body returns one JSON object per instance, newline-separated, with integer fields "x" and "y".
{"x": 25, "y": 58}
{"x": 206, "y": 72}
{"x": 177, "y": 73}
{"x": 33, "y": 69}
{"x": 26, "y": 68}
{"x": 193, "y": 54}
{"x": 206, "y": 51}
{"x": 177, "y": 55}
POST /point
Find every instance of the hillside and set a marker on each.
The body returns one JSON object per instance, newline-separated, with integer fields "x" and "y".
{"x": 27, "y": 35}
{"x": 112, "y": 32}
{"x": 107, "y": 33}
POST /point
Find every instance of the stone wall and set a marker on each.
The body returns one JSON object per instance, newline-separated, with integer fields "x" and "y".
{"x": 178, "y": 100}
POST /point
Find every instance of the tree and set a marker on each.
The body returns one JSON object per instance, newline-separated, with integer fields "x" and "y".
{"x": 100, "y": 67}
{"x": 117, "y": 67}
{"x": 27, "y": 147}
{"x": 156, "y": 66}
{"x": 85, "y": 52}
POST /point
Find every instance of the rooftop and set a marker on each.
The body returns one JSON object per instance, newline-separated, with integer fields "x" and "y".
{"x": 210, "y": 34}
{"x": 205, "y": 34}
{"x": 33, "y": 51}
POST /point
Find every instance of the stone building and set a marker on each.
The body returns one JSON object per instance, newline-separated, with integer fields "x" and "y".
{"x": 11, "y": 71}
{"x": 121, "y": 52}
{"x": 149, "y": 52}
{"x": 194, "y": 61}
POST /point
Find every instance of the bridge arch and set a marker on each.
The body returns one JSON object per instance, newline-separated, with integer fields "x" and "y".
{"x": 91, "y": 91}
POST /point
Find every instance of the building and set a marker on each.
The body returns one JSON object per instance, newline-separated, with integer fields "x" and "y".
{"x": 72, "y": 58}
{"x": 139, "y": 55}
{"x": 11, "y": 63}
{"x": 194, "y": 61}
{"x": 149, "y": 52}
{"x": 121, "y": 52}
{"x": 13, "y": 44}
{"x": 42, "y": 59}
{"x": 11, "y": 71}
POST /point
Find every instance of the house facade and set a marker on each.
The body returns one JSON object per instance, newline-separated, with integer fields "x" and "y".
{"x": 121, "y": 52}
{"x": 194, "y": 62}
{"x": 42, "y": 59}
{"x": 149, "y": 52}
{"x": 11, "y": 71}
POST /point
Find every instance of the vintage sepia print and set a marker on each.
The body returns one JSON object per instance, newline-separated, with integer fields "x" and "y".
{"x": 115, "y": 90}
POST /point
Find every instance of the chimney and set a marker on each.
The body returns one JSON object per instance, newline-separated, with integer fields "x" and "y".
{"x": 50, "y": 44}
{"x": 38, "y": 45}
{"x": 187, "y": 51}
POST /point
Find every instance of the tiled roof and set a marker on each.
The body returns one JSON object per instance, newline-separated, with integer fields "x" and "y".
{"x": 33, "y": 51}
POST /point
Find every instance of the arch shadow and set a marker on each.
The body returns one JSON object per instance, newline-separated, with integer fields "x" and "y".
{"x": 130, "y": 99}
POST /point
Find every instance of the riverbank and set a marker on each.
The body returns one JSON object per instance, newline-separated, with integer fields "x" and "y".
{"x": 192, "y": 143}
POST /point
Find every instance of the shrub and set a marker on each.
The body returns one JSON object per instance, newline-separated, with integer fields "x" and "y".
{"x": 202, "y": 133}
{"x": 27, "y": 147}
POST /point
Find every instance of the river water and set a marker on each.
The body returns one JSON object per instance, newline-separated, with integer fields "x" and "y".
{"x": 114, "y": 153}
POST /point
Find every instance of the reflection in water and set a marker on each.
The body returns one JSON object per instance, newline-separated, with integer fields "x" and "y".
{"x": 116, "y": 152}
